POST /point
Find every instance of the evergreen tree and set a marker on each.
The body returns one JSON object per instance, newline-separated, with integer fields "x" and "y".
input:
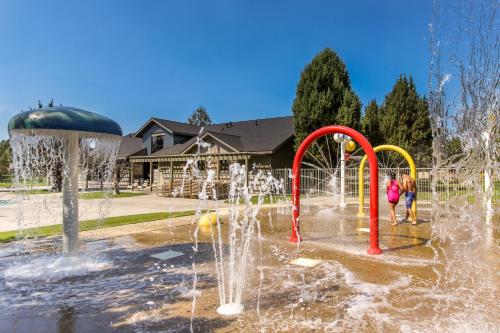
{"x": 324, "y": 88}
{"x": 370, "y": 126}
{"x": 349, "y": 113}
{"x": 5, "y": 159}
{"x": 199, "y": 117}
{"x": 404, "y": 121}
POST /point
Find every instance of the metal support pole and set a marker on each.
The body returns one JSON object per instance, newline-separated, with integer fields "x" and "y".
{"x": 342, "y": 174}
{"x": 488, "y": 184}
{"x": 70, "y": 195}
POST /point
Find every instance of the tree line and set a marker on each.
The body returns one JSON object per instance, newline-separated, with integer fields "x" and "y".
{"x": 5, "y": 160}
{"x": 325, "y": 96}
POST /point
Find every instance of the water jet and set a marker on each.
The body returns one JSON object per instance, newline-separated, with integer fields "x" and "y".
{"x": 65, "y": 128}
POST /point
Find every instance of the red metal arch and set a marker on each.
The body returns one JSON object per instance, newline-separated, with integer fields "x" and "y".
{"x": 372, "y": 161}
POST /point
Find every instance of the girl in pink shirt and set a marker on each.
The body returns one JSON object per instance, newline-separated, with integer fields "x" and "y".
{"x": 392, "y": 190}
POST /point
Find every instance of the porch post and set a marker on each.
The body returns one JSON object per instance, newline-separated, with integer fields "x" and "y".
{"x": 218, "y": 168}
{"x": 150, "y": 175}
{"x": 131, "y": 175}
{"x": 171, "y": 177}
{"x": 246, "y": 170}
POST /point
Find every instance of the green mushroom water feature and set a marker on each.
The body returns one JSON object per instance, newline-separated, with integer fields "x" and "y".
{"x": 63, "y": 142}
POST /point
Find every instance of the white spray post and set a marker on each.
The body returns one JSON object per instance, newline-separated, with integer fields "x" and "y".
{"x": 342, "y": 139}
{"x": 70, "y": 195}
{"x": 488, "y": 184}
{"x": 342, "y": 174}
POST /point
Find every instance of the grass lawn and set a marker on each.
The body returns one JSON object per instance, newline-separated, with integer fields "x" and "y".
{"x": 30, "y": 192}
{"x": 102, "y": 195}
{"x": 51, "y": 230}
{"x": 93, "y": 195}
{"x": 7, "y": 182}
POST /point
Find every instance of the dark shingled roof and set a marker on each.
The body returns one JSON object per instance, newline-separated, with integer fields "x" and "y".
{"x": 257, "y": 135}
{"x": 174, "y": 126}
{"x": 232, "y": 141}
{"x": 245, "y": 136}
{"x": 130, "y": 146}
{"x": 175, "y": 149}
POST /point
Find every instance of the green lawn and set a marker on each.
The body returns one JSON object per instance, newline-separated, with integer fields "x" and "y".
{"x": 30, "y": 192}
{"x": 8, "y": 236}
{"x": 102, "y": 195}
{"x": 444, "y": 195}
{"x": 8, "y": 182}
{"x": 93, "y": 195}
{"x": 38, "y": 191}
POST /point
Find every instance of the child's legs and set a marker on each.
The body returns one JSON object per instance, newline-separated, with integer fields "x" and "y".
{"x": 412, "y": 214}
{"x": 392, "y": 208}
{"x": 410, "y": 197}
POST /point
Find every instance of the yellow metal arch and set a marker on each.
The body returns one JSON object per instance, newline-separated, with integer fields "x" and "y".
{"x": 400, "y": 151}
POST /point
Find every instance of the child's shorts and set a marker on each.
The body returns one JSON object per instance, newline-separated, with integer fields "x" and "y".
{"x": 409, "y": 198}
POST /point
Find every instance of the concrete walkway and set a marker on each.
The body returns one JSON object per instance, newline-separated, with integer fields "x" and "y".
{"x": 42, "y": 210}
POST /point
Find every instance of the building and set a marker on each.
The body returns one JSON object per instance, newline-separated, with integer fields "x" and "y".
{"x": 157, "y": 153}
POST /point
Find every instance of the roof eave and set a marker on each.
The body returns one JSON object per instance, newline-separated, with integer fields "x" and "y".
{"x": 283, "y": 143}
{"x": 136, "y": 135}
{"x": 215, "y": 138}
{"x": 151, "y": 157}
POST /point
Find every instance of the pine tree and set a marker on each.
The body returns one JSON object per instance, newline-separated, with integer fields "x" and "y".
{"x": 324, "y": 88}
{"x": 404, "y": 120}
{"x": 5, "y": 159}
{"x": 421, "y": 135}
{"x": 199, "y": 117}
{"x": 370, "y": 126}
{"x": 349, "y": 113}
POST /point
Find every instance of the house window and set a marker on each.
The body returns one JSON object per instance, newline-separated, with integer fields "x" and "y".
{"x": 224, "y": 165}
{"x": 201, "y": 165}
{"x": 157, "y": 142}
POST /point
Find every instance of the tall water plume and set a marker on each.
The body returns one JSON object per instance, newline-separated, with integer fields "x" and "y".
{"x": 43, "y": 159}
{"x": 464, "y": 96}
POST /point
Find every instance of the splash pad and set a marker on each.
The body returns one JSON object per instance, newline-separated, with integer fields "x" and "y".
{"x": 372, "y": 160}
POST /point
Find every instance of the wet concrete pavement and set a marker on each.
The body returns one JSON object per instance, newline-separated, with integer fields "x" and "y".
{"x": 348, "y": 291}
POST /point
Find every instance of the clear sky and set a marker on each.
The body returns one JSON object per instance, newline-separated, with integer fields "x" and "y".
{"x": 131, "y": 60}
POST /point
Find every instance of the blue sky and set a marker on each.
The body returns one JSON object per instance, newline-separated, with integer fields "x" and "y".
{"x": 131, "y": 60}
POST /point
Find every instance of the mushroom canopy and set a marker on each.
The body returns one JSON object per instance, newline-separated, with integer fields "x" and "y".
{"x": 46, "y": 121}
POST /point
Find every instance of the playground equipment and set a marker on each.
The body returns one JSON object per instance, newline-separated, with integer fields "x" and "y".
{"x": 396, "y": 149}
{"x": 67, "y": 127}
{"x": 207, "y": 220}
{"x": 344, "y": 140}
{"x": 346, "y": 145}
{"x": 372, "y": 160}
{"x": 350, "y": 146}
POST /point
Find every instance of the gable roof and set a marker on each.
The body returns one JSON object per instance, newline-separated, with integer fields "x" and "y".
{"x": 231, "y": 141}
{"x": 170, "y": 126}
{"x": 130, "y": 146}
{"x": 260, "y": 135}
{"x": 175, "y": 149}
